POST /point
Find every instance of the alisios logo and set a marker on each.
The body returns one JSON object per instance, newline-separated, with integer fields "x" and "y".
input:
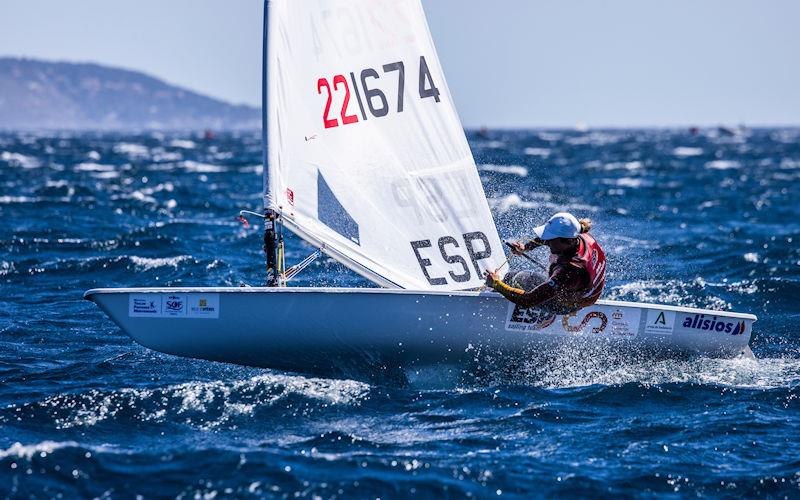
{"x": 701, "y": 322}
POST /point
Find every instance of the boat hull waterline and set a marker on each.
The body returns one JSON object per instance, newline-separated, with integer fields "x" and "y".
{"x": 315, "y": 330}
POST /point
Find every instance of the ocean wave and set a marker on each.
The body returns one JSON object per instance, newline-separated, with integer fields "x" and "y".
{"x": 205, "y": 404}
{"x": 690, "y": 293}
{"x": 42, "y": 449}
{"x": 63, "y": 266}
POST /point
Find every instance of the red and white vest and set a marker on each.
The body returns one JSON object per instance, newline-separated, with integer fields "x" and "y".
{"x": 590, "y": 256}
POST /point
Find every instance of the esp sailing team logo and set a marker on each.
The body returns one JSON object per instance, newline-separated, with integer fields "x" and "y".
{"x": 701, "y": 322}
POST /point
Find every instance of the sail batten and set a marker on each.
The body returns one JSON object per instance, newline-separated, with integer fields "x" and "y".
{"x": 366, "y": 154}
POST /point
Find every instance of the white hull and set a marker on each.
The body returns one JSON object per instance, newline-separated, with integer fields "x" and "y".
{"x": 328, "y": 330}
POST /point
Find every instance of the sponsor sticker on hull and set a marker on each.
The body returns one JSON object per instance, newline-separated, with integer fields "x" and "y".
{"x": 204, "y": 305}
{"x": 174, "y": 306}
{"x": 660, "y": 322}
{"x": 596, "y": 320}
{"x": 625, "y": 321}
{"x": 144, "y": 305}
{"x": 177, "y": 305}
{"x": 712, "y": 323}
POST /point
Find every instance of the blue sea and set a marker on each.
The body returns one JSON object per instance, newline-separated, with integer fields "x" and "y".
{"x": 707, "y": 219}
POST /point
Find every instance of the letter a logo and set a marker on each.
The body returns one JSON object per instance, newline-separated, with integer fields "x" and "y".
{"x": 660, "y": 320}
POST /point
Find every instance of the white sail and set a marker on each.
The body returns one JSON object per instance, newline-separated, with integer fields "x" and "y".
{"x": 366, "y": 154}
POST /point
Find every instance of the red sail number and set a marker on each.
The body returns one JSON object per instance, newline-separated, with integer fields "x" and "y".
{"x": 328, "y": 122}
{"x": 345, "y": 117}
{"x": 338, "y": 80}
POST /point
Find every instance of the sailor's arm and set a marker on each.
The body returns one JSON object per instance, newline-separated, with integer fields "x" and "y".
{"x": 563, "y": 279}
{"x": 535, "y": 242}
{"x": 535, "y": 297}
{"x": 518, "y": 247}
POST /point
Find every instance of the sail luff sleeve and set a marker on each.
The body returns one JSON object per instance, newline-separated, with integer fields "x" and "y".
{"x": 264, "y": 115}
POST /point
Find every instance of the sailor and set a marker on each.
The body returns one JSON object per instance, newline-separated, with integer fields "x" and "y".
{"x": 576, "y": 274}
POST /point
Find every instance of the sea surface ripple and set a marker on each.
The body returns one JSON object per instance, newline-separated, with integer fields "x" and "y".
{"x": 708, "y": 220}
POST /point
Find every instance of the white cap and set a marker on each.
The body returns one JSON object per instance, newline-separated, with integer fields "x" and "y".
{"x": 561, "y": 225}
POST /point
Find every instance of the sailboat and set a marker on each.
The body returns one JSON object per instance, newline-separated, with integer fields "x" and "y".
{"x": 366, "y": 160}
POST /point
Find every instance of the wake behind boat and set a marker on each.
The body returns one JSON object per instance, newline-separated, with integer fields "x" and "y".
{"x": 367, "y": 161}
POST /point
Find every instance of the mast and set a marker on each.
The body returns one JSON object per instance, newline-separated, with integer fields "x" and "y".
{"x": 270, "y": 235}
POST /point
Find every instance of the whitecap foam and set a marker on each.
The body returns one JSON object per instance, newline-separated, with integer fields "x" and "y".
{"x": 163, "y": 186}
{"x": 131, "y": 149}
{"x": 549, "y": 136}
{"x": 629, "y": 165}
{"x": 673, "y": 292}
{"x": 751, "y": 257}
{"x": 193, "y": 166}
{"x": 137, "y": 195}
{"x": 6, "y": 268}
{"x": 167, "y": 156}
{"x": 182, "y": 144}
{"x": 540, "y": 152}
{"x": 147, "y": 263}
{"x": 708, "y": 204}
{"x": 632, "y": 182}
{"x": 216, "y": 401}
{"x": 504, "y": 169}
{"x": 256, "y": 169}
{"x": 685, "y": 152}
{"x": 723, "y": 164}
{"x": 105, "y": 175}
{"x": 7, "y": 200}
{"x": 94, "y": 167}
{"x": 20, "y": 160}
{"x": 27, "y": 452}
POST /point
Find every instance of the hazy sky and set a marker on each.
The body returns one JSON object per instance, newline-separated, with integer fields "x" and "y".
{"x": 511, "y": 63}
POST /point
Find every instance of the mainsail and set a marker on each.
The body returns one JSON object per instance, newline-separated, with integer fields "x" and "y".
{"x": 366, "y": 154}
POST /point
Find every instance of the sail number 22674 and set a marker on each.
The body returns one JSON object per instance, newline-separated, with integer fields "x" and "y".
{"x": 374, "y": 99}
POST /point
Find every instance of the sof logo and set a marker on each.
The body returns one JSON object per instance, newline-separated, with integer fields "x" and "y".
{"x": 174, "y": 303}
{"x": 203, "y": 303}
{"x": 701, "y": 322}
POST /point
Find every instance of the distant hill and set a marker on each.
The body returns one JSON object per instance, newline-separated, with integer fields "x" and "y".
{"x": 58, "y": 95}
